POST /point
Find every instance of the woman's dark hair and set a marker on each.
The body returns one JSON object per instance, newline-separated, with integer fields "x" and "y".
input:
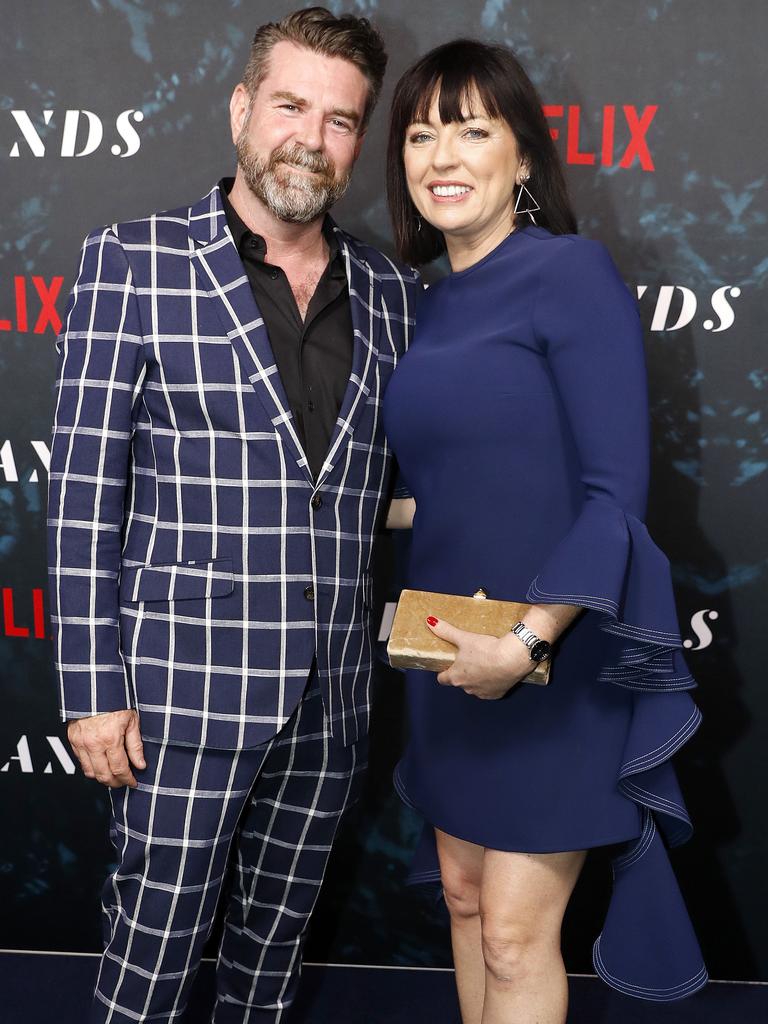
{"x": 458, "y": 71}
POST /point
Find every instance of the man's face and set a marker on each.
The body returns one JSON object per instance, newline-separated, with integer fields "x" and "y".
{"x": 299, "y": 136}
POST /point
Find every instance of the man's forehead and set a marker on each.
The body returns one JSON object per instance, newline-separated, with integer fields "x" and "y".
{"x": 295, "y": 68}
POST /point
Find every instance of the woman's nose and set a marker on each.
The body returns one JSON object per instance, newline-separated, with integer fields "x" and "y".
{"x": 444, "y": 154}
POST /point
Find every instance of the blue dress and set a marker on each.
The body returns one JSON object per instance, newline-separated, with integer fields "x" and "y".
{"x": 519, "y": 420}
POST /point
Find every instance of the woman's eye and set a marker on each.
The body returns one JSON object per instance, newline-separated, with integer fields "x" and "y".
{"x": 476, "y": 133}
{"x": 420, "y": 137}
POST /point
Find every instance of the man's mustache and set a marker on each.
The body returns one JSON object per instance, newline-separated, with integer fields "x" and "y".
{"x": 297, "y": 156}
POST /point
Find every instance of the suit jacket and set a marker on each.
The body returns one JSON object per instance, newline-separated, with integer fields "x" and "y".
{"x": 196, "y": 568}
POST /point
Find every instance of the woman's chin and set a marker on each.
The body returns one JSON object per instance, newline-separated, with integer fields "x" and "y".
{"x": 452, "y": 224}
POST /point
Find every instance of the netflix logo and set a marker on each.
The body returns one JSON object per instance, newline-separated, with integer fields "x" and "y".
{"x": 24, "y": 615}
{"x": 623, "y": 135}
{"x": 29, "y": 305}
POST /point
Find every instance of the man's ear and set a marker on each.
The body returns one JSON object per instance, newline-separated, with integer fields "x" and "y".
{"x": 238, "y": 110}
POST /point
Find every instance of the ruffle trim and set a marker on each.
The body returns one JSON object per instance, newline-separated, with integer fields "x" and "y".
{"x": 609, "y": 564}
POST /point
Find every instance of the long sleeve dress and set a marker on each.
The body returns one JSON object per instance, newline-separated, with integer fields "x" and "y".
{"x": 519, "y": 421}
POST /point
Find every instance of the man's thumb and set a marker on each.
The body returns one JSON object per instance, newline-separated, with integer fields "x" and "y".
{"x": 133, "y": 744}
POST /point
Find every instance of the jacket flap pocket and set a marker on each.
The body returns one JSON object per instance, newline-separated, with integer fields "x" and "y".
{"x": 178, "y": 581}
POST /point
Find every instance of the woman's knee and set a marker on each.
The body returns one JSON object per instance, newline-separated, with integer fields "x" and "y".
{"x": 462, "y": 895}
{"x": 511, "y": 952}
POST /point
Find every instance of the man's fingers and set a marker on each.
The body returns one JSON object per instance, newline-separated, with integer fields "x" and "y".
{"x": 101, "y": 770}
{"x": 117, "y": 759}
{"x": 133, "y": 744}
{"x": 104, "y": 744}
{"x": 85, "y": 761}
{"x": 104, "y": 772}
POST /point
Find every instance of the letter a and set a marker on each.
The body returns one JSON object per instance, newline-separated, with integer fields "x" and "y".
{"x": 22, "y": 755}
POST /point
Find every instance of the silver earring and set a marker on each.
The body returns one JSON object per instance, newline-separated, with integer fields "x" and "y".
{"x": 418, "y": 222}
{"x": 531, "y": 206}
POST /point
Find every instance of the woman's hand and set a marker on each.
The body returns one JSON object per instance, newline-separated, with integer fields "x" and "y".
{"x": 485, "y": 666}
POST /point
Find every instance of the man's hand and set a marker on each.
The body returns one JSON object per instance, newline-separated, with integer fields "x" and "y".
{"x": 485, "y": 666}
{"x": 106, "y": 746}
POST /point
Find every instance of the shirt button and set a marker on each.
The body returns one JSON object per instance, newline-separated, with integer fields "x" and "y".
{"x": 317, "y": 501}
{"x": 311, "y": 405}
{"x": 253, "y": 243}
{"x": 309, "y": 593}
{"x": 274, "y": 274}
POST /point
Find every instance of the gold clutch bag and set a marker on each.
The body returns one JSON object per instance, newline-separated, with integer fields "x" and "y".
{"x": 413, "y": 645}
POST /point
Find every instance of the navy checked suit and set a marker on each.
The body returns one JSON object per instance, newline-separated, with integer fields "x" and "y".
{"x": 197, "y": 570}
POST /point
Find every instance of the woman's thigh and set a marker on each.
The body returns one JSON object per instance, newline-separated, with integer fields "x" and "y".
{"x": 526, "y": 894}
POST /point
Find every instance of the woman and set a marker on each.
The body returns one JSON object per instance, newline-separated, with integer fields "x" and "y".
{"x": 519, "y": 421}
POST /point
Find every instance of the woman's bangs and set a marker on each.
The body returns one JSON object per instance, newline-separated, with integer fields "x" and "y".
{"x": 461, "y": 95}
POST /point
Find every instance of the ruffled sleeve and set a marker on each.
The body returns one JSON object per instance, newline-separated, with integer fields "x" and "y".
{"x": 588, "y": 326}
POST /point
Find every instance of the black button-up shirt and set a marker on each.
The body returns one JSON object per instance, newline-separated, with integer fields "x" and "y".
{"x": 314, "y": 355}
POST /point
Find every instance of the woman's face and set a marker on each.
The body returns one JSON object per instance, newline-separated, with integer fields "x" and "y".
{"x": 461, "y": 176}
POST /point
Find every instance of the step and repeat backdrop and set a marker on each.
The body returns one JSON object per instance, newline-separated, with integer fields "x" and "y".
{"x": 111, "y": 109}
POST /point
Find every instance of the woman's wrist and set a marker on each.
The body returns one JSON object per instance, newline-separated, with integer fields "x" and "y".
{"x": 515, "y": 656}
{"x": 549, "y": 621}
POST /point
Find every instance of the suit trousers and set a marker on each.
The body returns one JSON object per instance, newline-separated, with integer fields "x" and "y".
{"x": 252, "y": 827}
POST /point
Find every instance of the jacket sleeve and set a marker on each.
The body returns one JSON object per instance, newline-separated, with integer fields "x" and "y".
{"x": 100, "y": 375}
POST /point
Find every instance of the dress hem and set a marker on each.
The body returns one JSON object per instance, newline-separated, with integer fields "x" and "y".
{"x": 417, "y": 877}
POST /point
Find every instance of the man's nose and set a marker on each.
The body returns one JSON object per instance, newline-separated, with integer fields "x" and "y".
{"x": 311, "y": 133}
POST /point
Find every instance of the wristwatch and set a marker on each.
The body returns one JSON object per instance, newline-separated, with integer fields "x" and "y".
{"x": 538, "y": 649}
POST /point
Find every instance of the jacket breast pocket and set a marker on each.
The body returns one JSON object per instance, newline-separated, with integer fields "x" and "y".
{"x": 178, "y": 581}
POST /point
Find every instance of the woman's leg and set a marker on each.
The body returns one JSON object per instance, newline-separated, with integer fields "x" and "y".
{"x": 461, "y": 870}
{"x": 523, "y": 897}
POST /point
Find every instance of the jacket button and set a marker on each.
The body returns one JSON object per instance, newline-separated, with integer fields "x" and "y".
{"x": 309, "y": 593}
{"x": 317, "y": 501}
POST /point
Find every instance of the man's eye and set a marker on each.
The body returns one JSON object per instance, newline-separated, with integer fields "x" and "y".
{"x": 288, "y": 106}
{"x": 340, "y": 124}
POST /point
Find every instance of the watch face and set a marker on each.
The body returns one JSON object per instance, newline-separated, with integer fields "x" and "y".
{"x": 540, "y": 650}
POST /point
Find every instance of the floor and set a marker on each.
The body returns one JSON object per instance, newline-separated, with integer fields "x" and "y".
{"x": 45, "y": 988}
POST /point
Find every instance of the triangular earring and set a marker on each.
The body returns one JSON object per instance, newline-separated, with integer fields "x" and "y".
{"x": 531, "y": 206}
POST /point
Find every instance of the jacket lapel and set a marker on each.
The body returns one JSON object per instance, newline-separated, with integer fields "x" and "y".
{"x": 365, "y": 302}
{"x": 221, "y": 273}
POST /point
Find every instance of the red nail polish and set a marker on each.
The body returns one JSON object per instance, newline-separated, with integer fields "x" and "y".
{"x": 431, "y": 620}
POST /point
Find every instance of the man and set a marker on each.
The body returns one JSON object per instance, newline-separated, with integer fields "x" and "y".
{"x": 218, "y": 468}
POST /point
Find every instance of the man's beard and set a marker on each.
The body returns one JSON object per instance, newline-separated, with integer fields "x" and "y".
{"x": 294, "y": 197}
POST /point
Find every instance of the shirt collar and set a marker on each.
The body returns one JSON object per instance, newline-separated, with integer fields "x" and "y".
{"x": 242, "y": 234}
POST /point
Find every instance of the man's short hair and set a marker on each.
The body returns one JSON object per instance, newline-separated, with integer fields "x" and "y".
{"x": 346, "y": 36}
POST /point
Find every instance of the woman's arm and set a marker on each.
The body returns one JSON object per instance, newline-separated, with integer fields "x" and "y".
{"x": 400, "y": 514}
{"x": 590, "y": 332}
